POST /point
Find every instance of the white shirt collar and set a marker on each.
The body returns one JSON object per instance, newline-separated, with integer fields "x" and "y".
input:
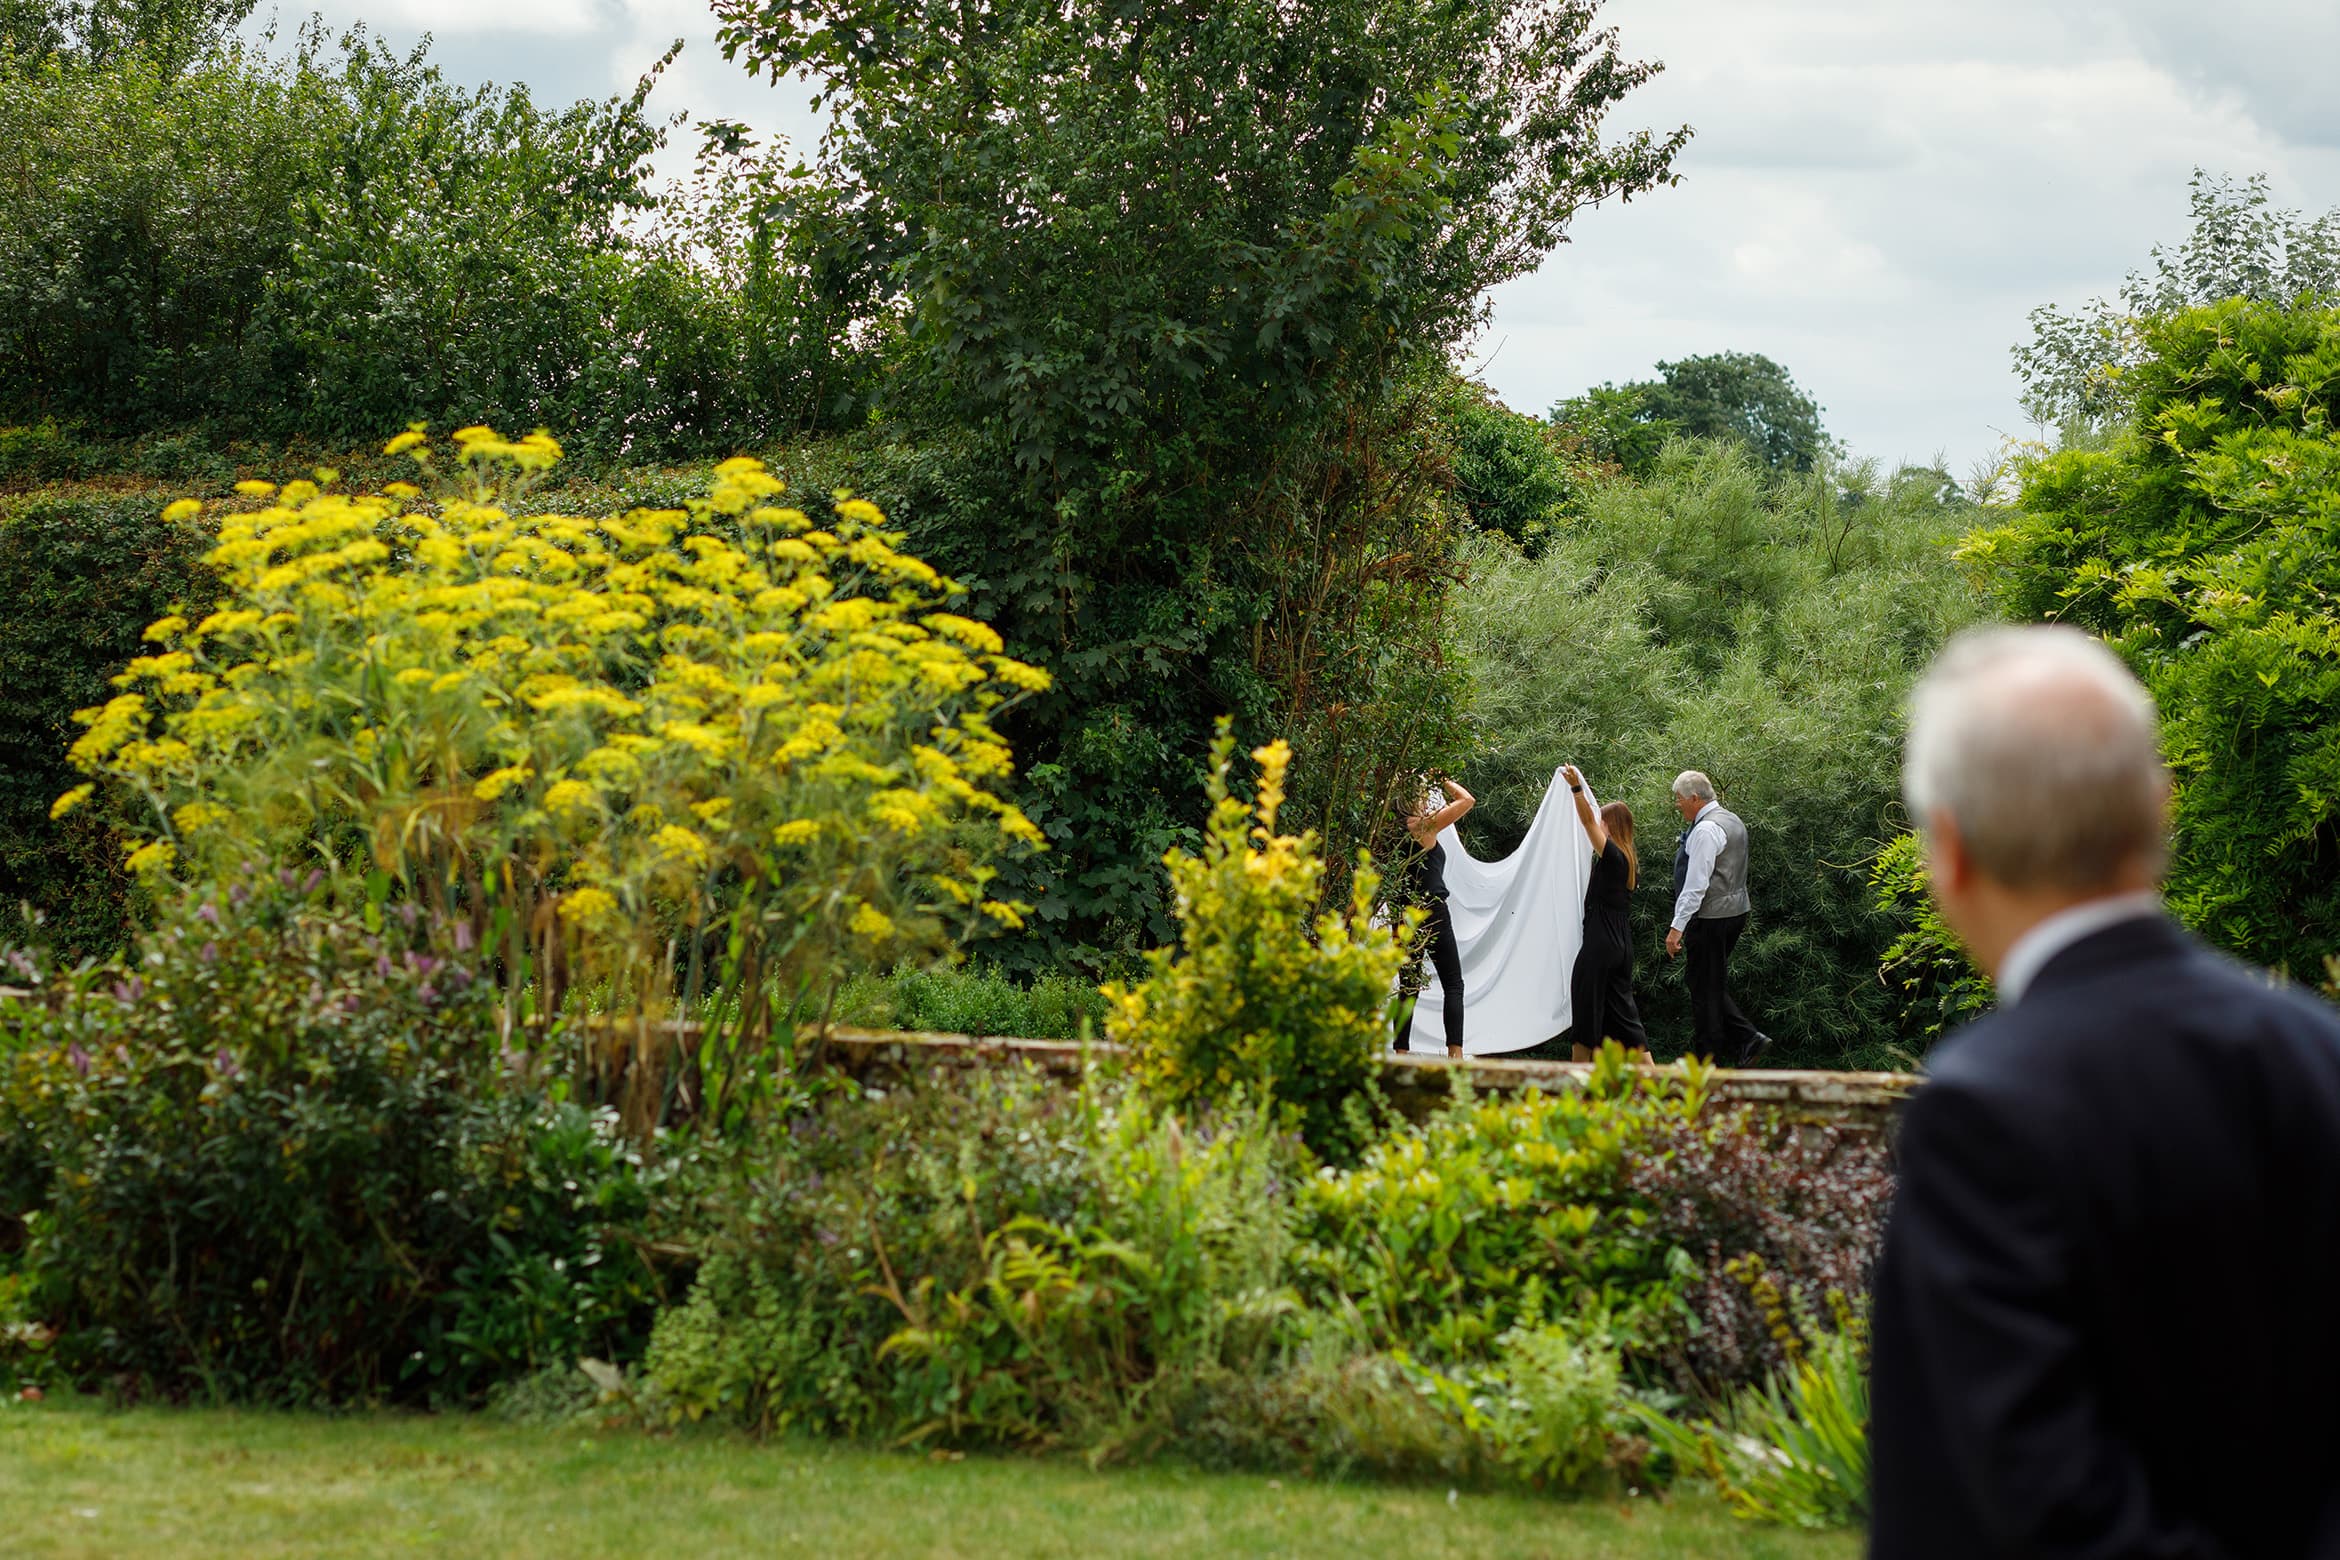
{"x": 1702, "y": 812}
{"x": 2043, "y": 942}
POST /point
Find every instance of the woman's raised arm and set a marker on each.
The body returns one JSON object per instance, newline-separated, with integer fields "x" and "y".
{"x": 1586, "y": 813}
{"x": 1459, "y": 802}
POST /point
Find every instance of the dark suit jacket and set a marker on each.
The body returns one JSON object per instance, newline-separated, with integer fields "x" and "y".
{"x": 2107, "y": 1318}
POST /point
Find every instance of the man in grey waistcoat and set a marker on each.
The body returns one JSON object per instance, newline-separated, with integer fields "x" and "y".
{"x": 1710, "y": 911}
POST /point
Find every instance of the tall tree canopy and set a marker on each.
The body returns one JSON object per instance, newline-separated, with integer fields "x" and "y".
{"x": 170, "y": 33}
{"x": 1191, "y": 272}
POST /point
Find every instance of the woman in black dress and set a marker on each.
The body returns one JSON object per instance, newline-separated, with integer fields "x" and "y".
{"x": 1600, "y": 991}
{"x": 1426, "y": 879}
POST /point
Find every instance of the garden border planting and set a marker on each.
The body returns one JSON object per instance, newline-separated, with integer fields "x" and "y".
{"x": 1415, "y": 1084}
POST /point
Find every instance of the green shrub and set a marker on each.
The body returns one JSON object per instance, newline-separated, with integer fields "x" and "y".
{"x": 973, "y": 1001}
{"x": 1003, "y": 1265}
{"x": 1263, "y": 995}
{"x": 839, "y": 1221}
{"x": 279, "y": 1157}
{"x": 998, "y": 1260}
{"x": 1501, "y": 1213}
{"x": 1939, "y": 985}
{"x": 1553, "y": 1415}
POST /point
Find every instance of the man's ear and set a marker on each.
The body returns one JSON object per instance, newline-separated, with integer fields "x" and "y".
{"x": 1948, "y": 865}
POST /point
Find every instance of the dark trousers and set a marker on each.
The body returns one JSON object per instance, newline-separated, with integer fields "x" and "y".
{"x": 1719, "y": 1032}
{"x": 1446, "y": 959}
{"x": 1600, "y": 1001}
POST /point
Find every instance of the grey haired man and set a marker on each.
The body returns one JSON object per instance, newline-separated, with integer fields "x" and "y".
{"x": 1710, "y": 912}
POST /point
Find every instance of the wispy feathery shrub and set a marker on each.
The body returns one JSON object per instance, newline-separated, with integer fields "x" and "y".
{"x": 1765, "y": 629}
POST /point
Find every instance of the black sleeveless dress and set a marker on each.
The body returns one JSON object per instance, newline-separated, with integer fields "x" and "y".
{"x": 1600, "y": 990}
{"x": 1426, "y": 879}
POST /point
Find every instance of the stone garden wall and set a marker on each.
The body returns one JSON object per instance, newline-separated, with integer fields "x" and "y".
{"x": 1864, "y": 1101}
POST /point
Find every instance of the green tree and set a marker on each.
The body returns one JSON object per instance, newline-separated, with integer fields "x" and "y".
{"x": 1723, "y": 395}
{"x": 1192, "y": 271}
{"x": 1514, "y": 474}
{"x": 2202, "y": 539}
{"x": 169, "y": 33}
{"x": 1615, "y": 425}
{"x": 2076, "y": 366}
{"x": 1744, "y": 396}
{"x": 330, "y": 241}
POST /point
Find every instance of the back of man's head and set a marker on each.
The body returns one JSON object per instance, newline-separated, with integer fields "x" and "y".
{"x": 2043, "y": 750}
{"x": 1693, "y": 786}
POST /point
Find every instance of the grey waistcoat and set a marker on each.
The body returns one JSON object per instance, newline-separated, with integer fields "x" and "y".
{"x": 1726, "y": 890}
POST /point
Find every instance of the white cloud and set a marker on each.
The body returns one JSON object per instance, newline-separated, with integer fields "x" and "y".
{"x": 1878, "y": 195}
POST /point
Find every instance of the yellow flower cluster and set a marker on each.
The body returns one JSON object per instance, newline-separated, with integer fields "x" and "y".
{"x": 723, "y": 713}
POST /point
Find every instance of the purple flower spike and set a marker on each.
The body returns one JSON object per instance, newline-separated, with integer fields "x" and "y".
{"x": 463, "y": 936}
{"x": 78, "y": 1057}
{"x": 210, "y": 952}
{"x": 227, "y": 1064}
{"x": 208, "y": 914}
{"x": 316, "y": 876}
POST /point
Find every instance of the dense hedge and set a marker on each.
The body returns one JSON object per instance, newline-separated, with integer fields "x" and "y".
{"x": 80, "y": 579}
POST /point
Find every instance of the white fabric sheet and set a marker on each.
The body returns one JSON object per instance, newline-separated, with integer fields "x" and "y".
{"x": 1518, "y": 923}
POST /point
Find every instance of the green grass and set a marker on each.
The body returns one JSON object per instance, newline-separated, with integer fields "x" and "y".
{"x": 77, "y": 1479}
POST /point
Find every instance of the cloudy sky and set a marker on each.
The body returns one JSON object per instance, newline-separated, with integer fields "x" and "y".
{"x": 1878, "y": 193}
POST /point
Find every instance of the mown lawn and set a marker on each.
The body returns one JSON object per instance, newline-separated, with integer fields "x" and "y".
{"x": 78, "y": 1479}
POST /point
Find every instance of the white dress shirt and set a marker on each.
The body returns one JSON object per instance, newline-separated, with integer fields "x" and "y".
{"x": 2032, "y": 951}
{"x": 1706, "y": 843}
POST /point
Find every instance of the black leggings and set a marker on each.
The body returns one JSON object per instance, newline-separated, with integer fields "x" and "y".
{"x": 1446, "y": 959}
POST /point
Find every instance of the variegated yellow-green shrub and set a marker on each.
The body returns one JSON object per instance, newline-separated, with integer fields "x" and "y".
{"x": 678, "y": 759}
{"x": 1262, "y": 994}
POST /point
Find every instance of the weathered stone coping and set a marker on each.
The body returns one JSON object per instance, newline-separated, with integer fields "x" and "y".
{"x": 1415, "y": 1084}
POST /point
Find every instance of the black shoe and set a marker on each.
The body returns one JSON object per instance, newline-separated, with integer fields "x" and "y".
{"x": 1755, "y": 1050}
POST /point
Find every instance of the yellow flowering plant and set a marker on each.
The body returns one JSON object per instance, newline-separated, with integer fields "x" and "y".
{"x": 687, "y": 761}
{"x": 1262, "y": 994}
